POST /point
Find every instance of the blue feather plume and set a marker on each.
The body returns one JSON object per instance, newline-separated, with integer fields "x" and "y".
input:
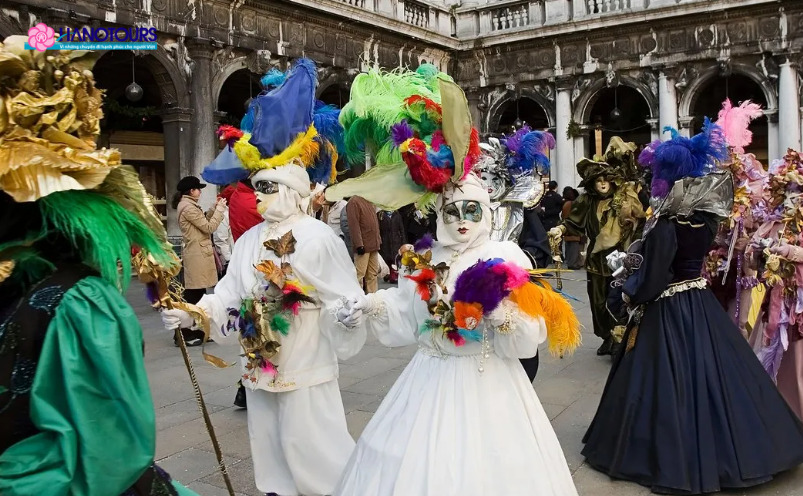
{"x": 442, "y": 158}
{"x": 327, "y": 122}
{"x": 247, "y": 122}
{"x": 687, "y": 157}
{"x": 272, "y": 79}
{"x": 532, "y": 153}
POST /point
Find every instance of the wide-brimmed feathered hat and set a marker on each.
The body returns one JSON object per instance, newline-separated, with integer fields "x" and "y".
{"x": 417, "y": 128}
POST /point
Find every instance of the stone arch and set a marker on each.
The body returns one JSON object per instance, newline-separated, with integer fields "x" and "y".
{"x": 494, "y": 114}
{"x": 220, "y": 77}
{"x": 172, "y": 84}
{"x": 691, "y": 94}
{"x": 585, "y": 102}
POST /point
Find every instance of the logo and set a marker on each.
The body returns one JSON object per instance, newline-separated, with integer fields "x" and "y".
{"x": 42, "y": 37}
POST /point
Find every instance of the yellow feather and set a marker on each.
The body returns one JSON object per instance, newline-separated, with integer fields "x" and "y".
{"x": 563, "y": 327}
{"x": 304, "y": 148}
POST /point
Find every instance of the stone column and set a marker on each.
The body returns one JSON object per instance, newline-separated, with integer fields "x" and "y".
{"x": 176, "y": 124}
{"x": 788, "y": 109}
{"x": 773, "y": 152}
{"x": 203, "y": 113}
{"x": 564, "y": 150}
{"x": 684, "y": 126}
{"x": 667, "y": 104}
{"x": 654, "y": 132}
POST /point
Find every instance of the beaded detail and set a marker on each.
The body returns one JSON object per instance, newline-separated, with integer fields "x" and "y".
{"x": 680, "y": 287}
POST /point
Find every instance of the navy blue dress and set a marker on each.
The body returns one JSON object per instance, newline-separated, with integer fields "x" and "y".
{"x": 689, "y": 409}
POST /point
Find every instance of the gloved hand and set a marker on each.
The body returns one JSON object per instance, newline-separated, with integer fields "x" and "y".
{"x": 790, "y": 252}
{"x": 365, "y": 304}
{"x": 349, "y": 316}
{"x": 498, "y": 316}
{"x": 360, "y": 250}
{"x": 556, "y": 232}
{"x": 174, "y": 319}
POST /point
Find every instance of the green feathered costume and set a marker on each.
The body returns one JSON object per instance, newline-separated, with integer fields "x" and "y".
{"x": 75, "y": 404}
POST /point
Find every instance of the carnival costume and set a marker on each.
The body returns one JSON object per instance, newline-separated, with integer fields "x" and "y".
{"x": 728, "y": 266}
{"x": 511, "y": 171}
{"x": 287, "y": 279}
{"x": 75, "y": 406}
{"x": 462, "y": 419}
{"x": 687, "y": 408}
{"x": 611, "y": 216}
{"x": 778, "y": 333}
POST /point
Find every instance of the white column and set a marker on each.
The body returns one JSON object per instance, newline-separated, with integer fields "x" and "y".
{"x": 788, "y": 109}
{"x": 564, "y": 151}
{"x": 654, "y": 133}
{"x": 667, "y": 104}
{"x": 773, "y": 152}
{"x": 580, "y": 147}
{"x": 684, "y": 124}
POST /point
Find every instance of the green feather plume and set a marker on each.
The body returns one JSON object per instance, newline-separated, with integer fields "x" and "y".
{"x": 280, "y": 324}
{"x": 102, "y": 232}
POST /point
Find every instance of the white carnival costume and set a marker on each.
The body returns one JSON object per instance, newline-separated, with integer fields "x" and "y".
{"x": 462, "y": 419}
{"x": 287, "y": 279}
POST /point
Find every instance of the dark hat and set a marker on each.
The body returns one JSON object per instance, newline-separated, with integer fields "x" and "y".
{"x": 188, "y": 183}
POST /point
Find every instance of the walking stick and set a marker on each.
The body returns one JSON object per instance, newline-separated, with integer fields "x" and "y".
{"x": 164, "y": 291}
{"x": 199, "y": 398}
{"x": 554, "y": 245}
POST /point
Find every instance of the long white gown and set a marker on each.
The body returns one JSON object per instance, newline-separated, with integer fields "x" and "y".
{"x": 445, "y": 428}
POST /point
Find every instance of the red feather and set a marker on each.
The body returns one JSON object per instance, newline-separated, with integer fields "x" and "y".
{"x": 229, "y": 134}
{"x": 423, "y": 281}
{"x": 421, "y": 171}
{"x": 473, "y": 154}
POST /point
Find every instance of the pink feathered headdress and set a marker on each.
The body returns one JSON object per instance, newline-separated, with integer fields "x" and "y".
{"x": 735, "y": 121}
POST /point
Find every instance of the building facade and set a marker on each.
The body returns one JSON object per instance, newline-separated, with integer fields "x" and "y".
{"x": 585, "y": 69}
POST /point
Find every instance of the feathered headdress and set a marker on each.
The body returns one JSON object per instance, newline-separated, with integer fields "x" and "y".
{"x": 527, "y": 151}
{"x": 683, "y": 157}
{"x": 290, "y": 126}
{"x": 417, "y": 127}
{"x": 734, "y": 122}
{"x": 49, "y": 156}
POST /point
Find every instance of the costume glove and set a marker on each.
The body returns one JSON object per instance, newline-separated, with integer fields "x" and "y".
{"x": 174, "y": 319}
{"x": 349, "y": 316}
{"x": 360, "y": 250}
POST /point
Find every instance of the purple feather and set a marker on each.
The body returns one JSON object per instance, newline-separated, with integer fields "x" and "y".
{"x": 401, "y": 132}
{"x": 424, "y": 243}
{"x": 152, "y": 292}
{"x": 513, "y": 142}
{"x": 684, "y": 157}
{"x": 531, "y": 153}
{"x": 479, "y": 284}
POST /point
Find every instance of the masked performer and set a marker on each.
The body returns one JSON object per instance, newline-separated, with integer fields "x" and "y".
{"x": 778, "y": 246}
{"x": 727, "y": 268}
{"x": 287, "y": 279}
{"x": 687, "y": 408}
{"x": 511, "y": 170}
{"x": 462, "y": 418}
{"x": 75, "y": 405}
{"x": 610, "y": 215}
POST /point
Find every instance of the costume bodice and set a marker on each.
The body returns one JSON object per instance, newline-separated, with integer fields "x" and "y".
{"x": 507, "y": 220}
{"x": 694, "y": 238}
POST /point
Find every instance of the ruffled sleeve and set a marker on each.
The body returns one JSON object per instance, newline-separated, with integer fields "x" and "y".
{"x": 649, "y": 281}
{"x": 90, "y": 400}
{"x": 393, "y": 319}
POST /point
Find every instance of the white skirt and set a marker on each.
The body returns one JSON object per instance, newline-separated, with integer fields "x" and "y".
{"x": 447, "y": 429}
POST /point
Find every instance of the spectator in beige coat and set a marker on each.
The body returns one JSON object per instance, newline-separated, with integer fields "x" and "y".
{"x": 197, "y": 254}
{"x": 364, "y": 231}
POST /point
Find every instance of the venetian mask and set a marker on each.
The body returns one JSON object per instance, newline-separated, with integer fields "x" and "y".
{"x": 461, "y": 218}
{"x": 267, "y": 192}
{"x": 602, "y": 185}
{"x": 495, "y": 183}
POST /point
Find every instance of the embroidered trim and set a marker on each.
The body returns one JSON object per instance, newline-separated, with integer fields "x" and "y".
{"x": 442, "y": 354}
{"x": 378, "y": 307}
{"x": 680, "y": 287}
{"x": 506, "y": 327}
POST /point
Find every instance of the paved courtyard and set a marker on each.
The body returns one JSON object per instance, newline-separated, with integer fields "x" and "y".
{"x": 569, "y": 389}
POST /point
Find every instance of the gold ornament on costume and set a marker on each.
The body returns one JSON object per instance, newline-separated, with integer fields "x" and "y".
{"x": 285, "y": 245}
{"x": 6, "y": 268}
{"x": 274, "y": 273}
{"x": 50, "y": 112}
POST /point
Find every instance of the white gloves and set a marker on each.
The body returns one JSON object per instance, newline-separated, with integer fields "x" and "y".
{"x": 174, "y": 319}
{"x": 349, "y": 315}
{"x": 556, "y": 232}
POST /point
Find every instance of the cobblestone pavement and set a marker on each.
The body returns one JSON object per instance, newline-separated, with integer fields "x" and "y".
{"x": 568, "y": 388}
